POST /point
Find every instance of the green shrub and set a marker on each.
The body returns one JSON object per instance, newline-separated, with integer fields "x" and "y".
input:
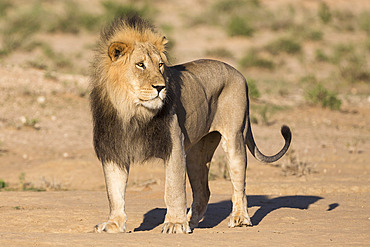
{"x": 4, "y": 6}
{"x": 239, "y": 26}
{"x": 253, "y": 91}
{"x": 265, "y": 114}
{"x": 344, "y": 20}
{"x": 73, "y": 19}
{"x": 314, "y": 35}
{"x": 252, "y": 59}
{"x": 321, "y": 56}
{"x": 355, "y": 69}
{"x": 351, "y": 63}
{"x": 319, "y": 95}
{"x": 3, "y": 184}
{"x": 364, "y": 21}
{"x": 220, "y": 53}
{"x": 324, "y": 13}
{"x": 341, "y": 52}
{"x": 20, "y": 28}
{"x": 230, "y": 6}
{"x": 285, "y": 45}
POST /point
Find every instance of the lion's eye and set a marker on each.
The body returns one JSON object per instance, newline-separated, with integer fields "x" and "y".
{"x": 140, "y": 65}
{"x": 161, "y": 65}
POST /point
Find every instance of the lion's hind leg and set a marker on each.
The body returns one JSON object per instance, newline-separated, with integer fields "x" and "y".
{"x": 198, "y": 163}
{"x": 233, "y": 145}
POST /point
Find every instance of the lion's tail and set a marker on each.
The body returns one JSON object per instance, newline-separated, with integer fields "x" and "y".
{"x": 285, "y": 131}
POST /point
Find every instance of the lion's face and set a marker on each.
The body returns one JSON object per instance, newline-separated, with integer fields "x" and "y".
{"x": 146, "y": 76}
{"x": 136, "y": 77}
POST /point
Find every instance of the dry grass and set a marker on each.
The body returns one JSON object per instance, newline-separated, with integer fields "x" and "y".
{"x": 293, "y": 166}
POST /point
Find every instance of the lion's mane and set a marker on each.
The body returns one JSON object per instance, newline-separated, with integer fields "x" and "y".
{"x": 122, "y": 134}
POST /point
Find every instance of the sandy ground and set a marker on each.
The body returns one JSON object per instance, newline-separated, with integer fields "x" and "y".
{"x": 65, "y": 219}
{"x": 325, "y": 204}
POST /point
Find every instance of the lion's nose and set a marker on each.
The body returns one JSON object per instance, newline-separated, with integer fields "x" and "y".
{"x": 159, "y": 88}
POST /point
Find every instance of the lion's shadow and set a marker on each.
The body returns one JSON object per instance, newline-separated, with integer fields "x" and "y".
{"x": 219, "y": 211}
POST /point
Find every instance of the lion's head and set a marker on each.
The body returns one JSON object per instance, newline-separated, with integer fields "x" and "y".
{"x": 130, "y": 66}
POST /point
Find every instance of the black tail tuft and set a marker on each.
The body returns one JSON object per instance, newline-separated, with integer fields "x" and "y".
{"x": 285, "y": 131}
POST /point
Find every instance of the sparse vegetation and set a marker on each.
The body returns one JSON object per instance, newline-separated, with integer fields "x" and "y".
{"x": 319, "y": 95}
{"x": 352, "y": 64}
{"x": 30, "y": 122}
{"x": 321, "y": 56}
{"x": 50, "y": 184}
{"x": 73, "y": 20}
{"x": 239, "y": 26}
{"x": 285, "y": 45}
{"x": 253, "y": 91}
{"x": 219, "y": 168}
{"x": 313, "y": 35}
{"x": 324, "y": 13}
{"x": 20, "y": 28}
{"x": 265, "y": 114}
{"x": 344, "y": 20}
{"x": 22, "y": 178}
{"x": 236, "y": 17}
{"x": 3, "y": 184}
{"x": 293, "y": 166}
{"x": 4, "y": 6}
{"x": 25, "y": 186}
{"x": 1, "y": 149}
{"x": 253, "y": 59}
{"x": 364, "y": 21}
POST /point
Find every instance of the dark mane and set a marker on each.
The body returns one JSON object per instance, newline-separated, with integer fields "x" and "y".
{"x": 132, "y": 22}
{"x": 133, "y": 142}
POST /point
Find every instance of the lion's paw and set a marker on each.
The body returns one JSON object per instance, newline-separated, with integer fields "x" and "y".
{"x": 110, "y": 227}
{"x": 170, "y": 228}
{"x": 239, "y": 220}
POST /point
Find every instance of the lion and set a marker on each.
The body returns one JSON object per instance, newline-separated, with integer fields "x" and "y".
{"x": 143, "y": 108}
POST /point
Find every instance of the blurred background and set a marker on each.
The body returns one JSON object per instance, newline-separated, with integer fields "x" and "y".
{"x": 299, "y": 49}
{"x": 304, "y": 58}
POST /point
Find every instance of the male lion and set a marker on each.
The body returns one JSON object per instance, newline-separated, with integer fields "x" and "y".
{"x": 142, "y": 108}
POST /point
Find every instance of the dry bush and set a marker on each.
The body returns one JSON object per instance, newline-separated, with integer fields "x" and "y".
{"x": 293, "y": 166}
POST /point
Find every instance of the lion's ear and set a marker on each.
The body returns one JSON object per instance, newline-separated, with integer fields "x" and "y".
{"x": 160, "y": 44}
{"x": 116, "y": 50}
{"x": 164, "y": 40}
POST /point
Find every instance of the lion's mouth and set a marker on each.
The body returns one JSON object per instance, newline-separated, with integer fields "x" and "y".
{"x": 153, "y": 100}
{"x": 158, "y": 96}
{"x": 146, "y": 99}
{"x": 154, "y": 103}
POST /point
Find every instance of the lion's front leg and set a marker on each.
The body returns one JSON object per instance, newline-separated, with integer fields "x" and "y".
{"x": 115, "y": 180}
{"x": 175, "y": 188}
{"x": 175, "y": 198}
